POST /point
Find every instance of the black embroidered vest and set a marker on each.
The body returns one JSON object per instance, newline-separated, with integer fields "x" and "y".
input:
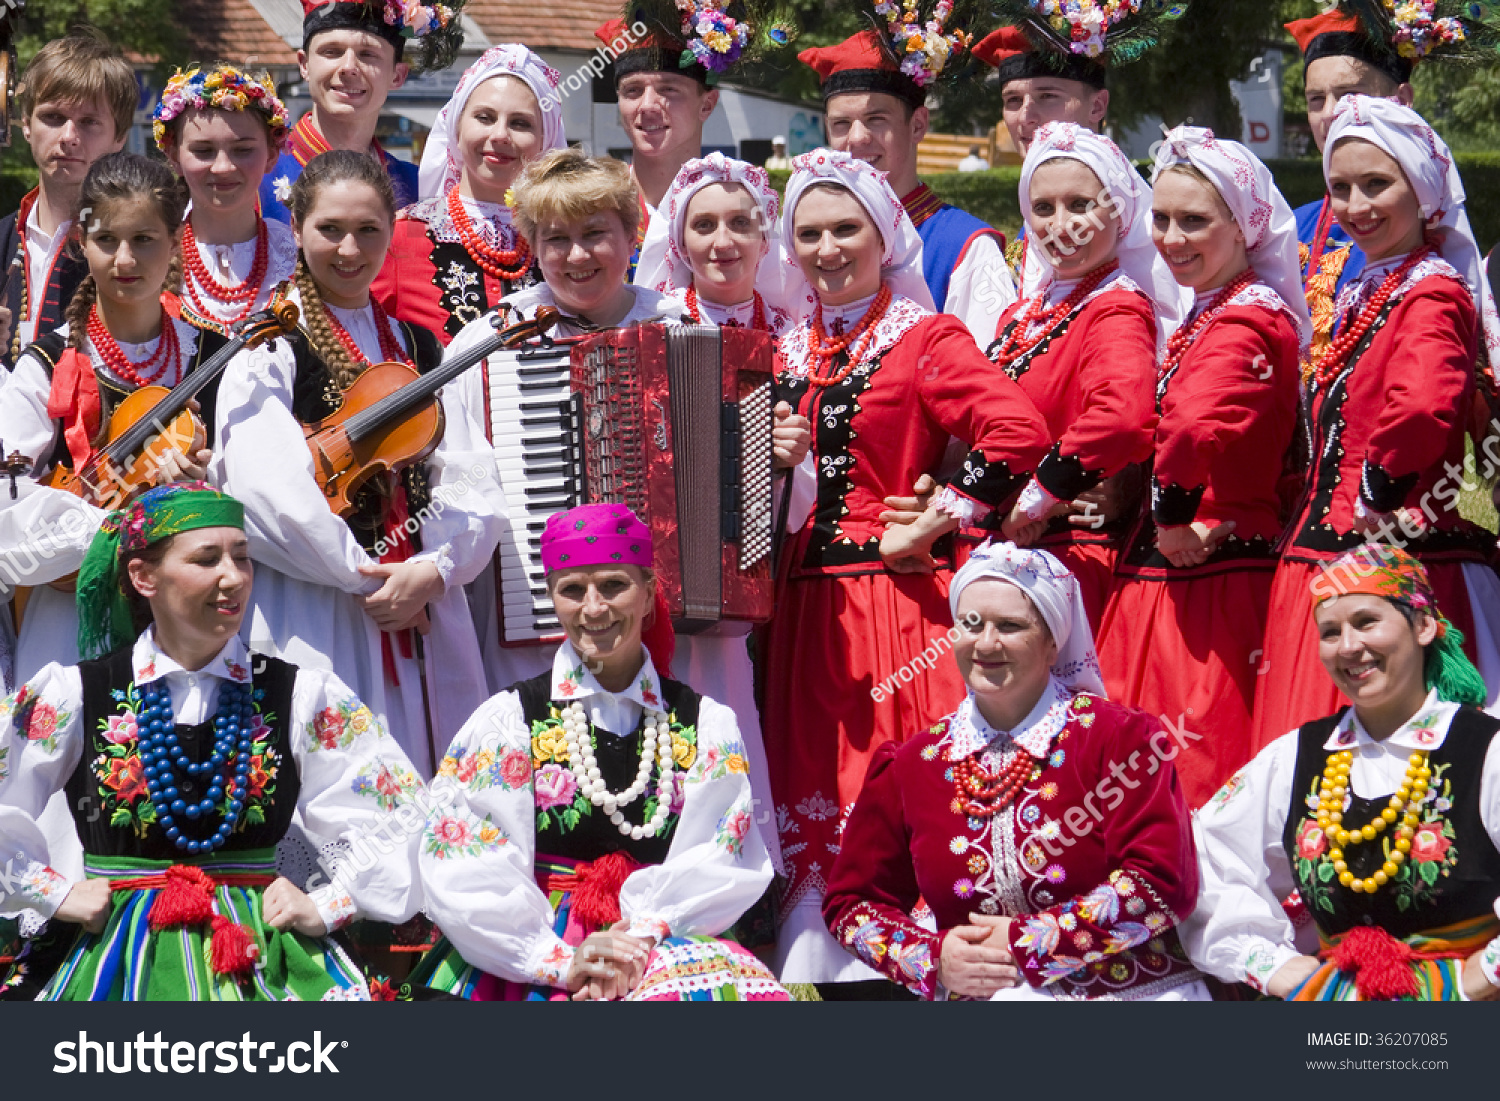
{"x": 618, "y": 757}
{"x": 315, "y": 396}
{"x": 1450, "y": 873}
{"x": 107, "y": 790}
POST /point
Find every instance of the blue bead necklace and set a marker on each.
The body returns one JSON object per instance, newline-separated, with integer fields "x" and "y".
{"x": 163, "y": 757}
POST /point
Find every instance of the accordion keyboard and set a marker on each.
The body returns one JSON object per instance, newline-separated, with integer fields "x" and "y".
{"x": 529, "y": 398}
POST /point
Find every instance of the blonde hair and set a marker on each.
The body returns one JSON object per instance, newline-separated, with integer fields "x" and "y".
{"x": 568, "y": 185}
{"x": 82, "y": 66}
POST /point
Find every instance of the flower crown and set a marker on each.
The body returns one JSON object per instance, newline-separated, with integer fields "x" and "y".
{"x": 417, "y": 20}
{"x": 923, "y": 50}
{"x": 1419, "y": 30}
{"x": 225, "y": 88}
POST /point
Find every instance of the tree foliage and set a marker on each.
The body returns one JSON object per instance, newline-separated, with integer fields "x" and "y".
{"x": 142, "y": 28}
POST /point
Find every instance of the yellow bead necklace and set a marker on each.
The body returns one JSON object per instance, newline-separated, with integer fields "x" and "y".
{"x": 1402, "y": 805}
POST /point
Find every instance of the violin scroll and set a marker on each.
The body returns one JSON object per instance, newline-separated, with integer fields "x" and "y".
{"x": 277, "y": 319}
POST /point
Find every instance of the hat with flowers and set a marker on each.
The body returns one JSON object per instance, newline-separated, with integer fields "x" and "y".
{"x": 1393, "y": 35}
{"x": 1073, "y": 39}
{"x": 909, "y": 45}
{"x": 702, "y": 39}
{"x": 434, "y": 29}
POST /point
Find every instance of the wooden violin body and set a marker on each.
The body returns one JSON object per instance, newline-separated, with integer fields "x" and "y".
{"x": 153, "y": 420}
{"x": 109, "y": 484}
{"x": 390, "y": 417}
{"x": 342, "y": 464}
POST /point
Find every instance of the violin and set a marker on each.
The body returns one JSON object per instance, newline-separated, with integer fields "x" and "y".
{"x": 155, "y": 420}
{"x": 390, "y": 418}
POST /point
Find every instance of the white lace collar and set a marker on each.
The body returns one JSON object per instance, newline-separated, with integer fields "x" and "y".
{"x": 969, "y": 732}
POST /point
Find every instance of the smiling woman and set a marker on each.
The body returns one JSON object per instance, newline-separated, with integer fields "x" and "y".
{"x": 223, "y": 130}
{"x": 1380, "y": 817}
{"x": 350, "y": 591}
{"x": 965, "y": 816}
{"x": 604, "y": 835}
{"x": 457, "y": 252}
{"x": 200, "y": 753}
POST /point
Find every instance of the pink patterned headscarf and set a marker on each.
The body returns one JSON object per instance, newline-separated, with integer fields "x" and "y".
{"x": 1262, "y": 213}
{"x": 442, "y": 164}
{"x": 901, "y": 264}
{"x": 664, "y": 260}
{"x": 1433, "y": 174}
{"x": 595, "y": 535}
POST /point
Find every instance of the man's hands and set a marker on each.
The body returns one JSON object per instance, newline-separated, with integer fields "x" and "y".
{"x": 1290, "y": 975}
{"x": 975, "y": 961}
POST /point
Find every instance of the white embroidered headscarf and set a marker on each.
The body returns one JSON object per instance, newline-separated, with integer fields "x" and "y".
{"x": 1430, "y": 169}
{"x": 1260, "y": 210}
{"x": 1055, "y": 593}
{"x": 1127, "y": 193}
{"x": 442, "y": 161}
{"x": 901, "y": 264}
{"x": 664, "y": 261}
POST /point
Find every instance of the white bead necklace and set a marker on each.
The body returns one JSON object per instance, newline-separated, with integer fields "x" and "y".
{"x": 656, "y": 747}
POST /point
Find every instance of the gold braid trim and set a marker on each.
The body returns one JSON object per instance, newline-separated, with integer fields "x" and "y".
{"x": 1015, "y": 256}
{"x": 1321, "y": 286}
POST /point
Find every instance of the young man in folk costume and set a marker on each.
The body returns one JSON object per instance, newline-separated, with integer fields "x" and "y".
{"x": 876, "y": 110}
{"x": 665, "y": 81}
{"x": 1044, "y": 78}
{"x": 76, "y": 101}
{"x": 352, "y": 57}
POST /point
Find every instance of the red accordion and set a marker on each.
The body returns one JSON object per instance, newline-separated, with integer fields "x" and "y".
{"x": 674, "y": 421}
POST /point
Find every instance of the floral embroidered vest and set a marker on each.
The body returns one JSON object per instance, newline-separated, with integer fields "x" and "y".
{"x": 107, "y": 790}
{"x": 567, "y": 824}
{"x": 1451, "y": 871}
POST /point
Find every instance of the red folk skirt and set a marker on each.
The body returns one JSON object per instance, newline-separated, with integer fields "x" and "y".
{"x": 1093, "y": 564}
{"x": 1296, "y": 688}
{"x": 843, "y": 676}
{"x": 1187, "y": 650}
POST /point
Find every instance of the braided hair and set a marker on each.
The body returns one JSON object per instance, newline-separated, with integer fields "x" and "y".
{"x": 335, "y": 167}
{"x": 114, "y": 178}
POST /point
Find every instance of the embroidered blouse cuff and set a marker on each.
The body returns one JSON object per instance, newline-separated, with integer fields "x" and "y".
{"x": 42, "y": 888}
{"x": 1035, "y": 501}
{"x": 550, "y": 961}
{"x": 1489, "y": 962}
{"x": 967, "y": 511}
{"x": 335, "y": 906}
{"x": 651, "y": 929}
{"x": 1263, "y": 958}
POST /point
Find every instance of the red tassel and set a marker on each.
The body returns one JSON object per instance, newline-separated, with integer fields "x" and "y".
{"x": 659, "y": 638}
{"x": 187, "y": 898}
{"x": 1380, "y": 964}
{"x": 234, "y": 950}
{"x": 596, "y": 899}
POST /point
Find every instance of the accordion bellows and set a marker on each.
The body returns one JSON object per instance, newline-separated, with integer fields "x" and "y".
{"x": 674, "y": 421}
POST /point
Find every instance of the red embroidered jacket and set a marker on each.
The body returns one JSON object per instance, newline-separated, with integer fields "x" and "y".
{"x": 1389, "y": 428}
{"x": 429, "y": 279}
{"x": 1227, "y": 415}
{"x": 889, "y": 421}
{"x": 1091, "y": 378}
{"x": 1094, "y": 861}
